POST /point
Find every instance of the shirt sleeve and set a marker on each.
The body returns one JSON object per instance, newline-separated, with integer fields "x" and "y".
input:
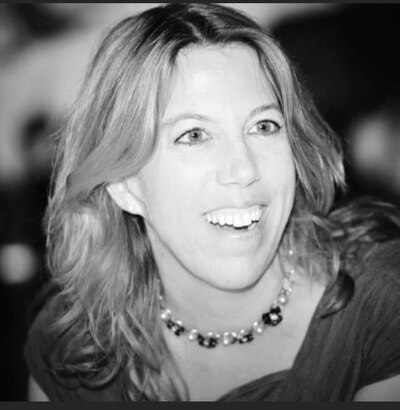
{"x": 382, "y": 345}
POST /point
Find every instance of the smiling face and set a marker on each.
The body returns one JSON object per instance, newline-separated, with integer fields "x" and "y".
{"x": 217, "y": 192}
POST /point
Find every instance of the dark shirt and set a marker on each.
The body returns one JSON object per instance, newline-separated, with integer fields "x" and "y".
{"x": 356, "y": 346}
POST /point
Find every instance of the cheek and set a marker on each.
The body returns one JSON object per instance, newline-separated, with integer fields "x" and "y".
{"x": 278, "y": 172}
{"x": 169, "y": 189}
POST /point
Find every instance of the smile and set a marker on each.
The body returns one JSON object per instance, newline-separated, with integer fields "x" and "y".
{"x": 235, "y": 218}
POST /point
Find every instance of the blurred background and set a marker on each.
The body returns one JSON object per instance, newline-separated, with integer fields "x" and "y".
{"x": 347, "y": 55}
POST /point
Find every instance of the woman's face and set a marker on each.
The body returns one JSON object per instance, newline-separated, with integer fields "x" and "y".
{"x": 217, "y": 193}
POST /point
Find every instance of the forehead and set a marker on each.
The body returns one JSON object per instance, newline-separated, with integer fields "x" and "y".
{"x": 207, "y": 72}
{"x": 200, "y": 63}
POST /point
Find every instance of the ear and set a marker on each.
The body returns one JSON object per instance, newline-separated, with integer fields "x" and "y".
{"x": 126, "y": 194}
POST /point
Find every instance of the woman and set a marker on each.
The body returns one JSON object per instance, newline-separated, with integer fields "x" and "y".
{"x": 190, "y": 236}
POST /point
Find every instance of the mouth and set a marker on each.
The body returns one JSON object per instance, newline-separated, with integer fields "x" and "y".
{"x": 234, "y": 219}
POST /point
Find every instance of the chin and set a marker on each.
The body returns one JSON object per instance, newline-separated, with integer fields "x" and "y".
{"x": 234, "y": 278}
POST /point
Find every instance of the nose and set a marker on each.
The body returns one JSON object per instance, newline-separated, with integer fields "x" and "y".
{"x": 237, "y": 165}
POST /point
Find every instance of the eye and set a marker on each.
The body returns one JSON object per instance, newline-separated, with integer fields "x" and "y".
{"x": 192, "y": 137}
{"x": 265, "y": 127}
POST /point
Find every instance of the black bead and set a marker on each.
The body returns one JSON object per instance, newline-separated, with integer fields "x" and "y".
{"x": 178, "y": 330}
{"x": 213, "y": 342}
{"x": 208, "y": 342}
{"x": 276, "y": 320}
{"x": 275, "y": 309}
{"x": 246, "y": 337}
{"x": 266, "y": 319}
{"x": 175, "y": 327}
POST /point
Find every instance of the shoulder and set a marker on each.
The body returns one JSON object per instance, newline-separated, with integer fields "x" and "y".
{"x": 385, "y": 255}
{"x": 373, "y": 281}
{"x": 376, "y": 306}
{"x": 41, "y": 320}
{"x": 383, "y": 261}
{"x": 370, "y": 320}
{"x": 367, "y": 233}
{"x": 377, "y": 278}
{"x": 42, "y": 316}
{"x": 373, "y": 312}
{"x": 36, "y": 351}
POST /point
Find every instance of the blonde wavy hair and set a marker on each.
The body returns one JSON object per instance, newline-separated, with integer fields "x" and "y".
{"x": 106, "y": 311}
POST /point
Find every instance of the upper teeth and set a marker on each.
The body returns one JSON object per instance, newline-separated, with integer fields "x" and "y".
{"x": 235, "y": 217}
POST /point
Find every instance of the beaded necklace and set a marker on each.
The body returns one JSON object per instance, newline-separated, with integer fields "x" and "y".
{"x": 271, "y": 317}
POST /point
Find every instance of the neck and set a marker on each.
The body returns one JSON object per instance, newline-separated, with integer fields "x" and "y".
{"x": 210, "y": 309}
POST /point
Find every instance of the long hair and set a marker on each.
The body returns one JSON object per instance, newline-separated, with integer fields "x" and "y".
{"x": 101, "y": 259}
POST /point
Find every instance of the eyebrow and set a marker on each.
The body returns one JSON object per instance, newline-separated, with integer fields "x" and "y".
{"x": 262, "y": 108}
{"x": 195, "y": 116}
{"x": 186, "y": 116}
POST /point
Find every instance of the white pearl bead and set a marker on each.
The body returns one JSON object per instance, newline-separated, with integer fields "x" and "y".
{"x": 165, "y": 314}
{"x": 192, "y": 336}
{"x": 258, "y": 327}
{"x": 282, "y": 300}
{"x": 228, "y": 338}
